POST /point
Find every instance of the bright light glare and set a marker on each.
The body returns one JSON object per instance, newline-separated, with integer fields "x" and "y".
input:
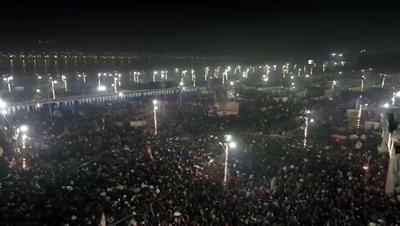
{"x": 228, "y": 137}
{"x": 398, "y": 94}
{"x": 23, "y": 128}
{"x": 3, "y": 104}
{"x": 155, "y": 102}
{"x": 312, "y": 120}
{"x": 120, "y": 94}
{"x": 181, "y": 83}
{"x": 231, "y": 83}
{"x": 232, "y": 144}
{"x": 101, "y": 88}
{"x": 386, "y": 105}
{"x": 3, "y": 111}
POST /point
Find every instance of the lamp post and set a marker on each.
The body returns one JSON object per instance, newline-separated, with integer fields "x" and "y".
{"x": 115, "y": 84}
{"x": 193, "y": 78}
{"x": 64, "y": 79}
{"x": 155, "y": 108}
{"x": 307, "y": 120}
{"x": 8, "y": 80}
{"x": 181, "y": 88}
{"x": 52, "y": 82}
{"x": 99, "y": 79}
{"x": 332, "y": 88}
{"x": 395, "y": 94}
{"x": 228, "y": 144}
{"x": 383, "y": 80}
{"x": 154, "y": 75}
{"x": 362, "y": 83}
{"x": 83, "y": 76}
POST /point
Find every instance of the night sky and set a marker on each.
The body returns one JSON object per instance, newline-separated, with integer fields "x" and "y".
{"x": 209, "y": 28}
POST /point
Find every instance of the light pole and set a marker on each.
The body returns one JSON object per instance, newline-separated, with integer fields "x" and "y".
{"x": 154, "y": 75}
{"x": 8, "y": 80}
{"x": 307, "y": 120}
{"x": 155, "y": 108}
{"x": 362, "y": 83}
{"x": 64, "y": 79}
{"x": 99, "y": 79}
{"x": 383, "y": 80}
{"x": 332, "y": 88}
{"x": 52, "y": 82}
{"x": 83, "y": 75}
{"x": 395, "y": 94}
{"x": 115, "y": 84}
{"x": 181, "y": 88}
{"x": 193, "y": 78}
{"x": 229, "y": 143}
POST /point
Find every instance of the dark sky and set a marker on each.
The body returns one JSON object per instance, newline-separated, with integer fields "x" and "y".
{"x": 211, "y": 28}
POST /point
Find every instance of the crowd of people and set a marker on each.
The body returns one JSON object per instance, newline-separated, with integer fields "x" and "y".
{"x": 90, "y": 163}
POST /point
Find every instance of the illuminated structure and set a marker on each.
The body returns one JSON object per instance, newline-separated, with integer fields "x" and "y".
{"x": 391, "y": 143}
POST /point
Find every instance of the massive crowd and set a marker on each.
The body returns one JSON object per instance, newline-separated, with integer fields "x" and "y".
{"x": 90, "y": 162}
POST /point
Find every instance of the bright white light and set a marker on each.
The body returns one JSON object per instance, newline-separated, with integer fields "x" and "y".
{"x": 398, "y": 94}
{"x": 334, "y": 82}
{"x": 3, "y": 111}
{"x": 39, "y": 77}
{"x": 120, "y": 94}
{"x": 308, "y": 111}
{"x": 232, "y": 144}
{"x": 265, "y": 79}
{"x": 23, "y": 128}
{"x": 228, "y": 137}
{"x": 101, "y": 88}
{"x": 155, "y": 102}
{"x": 341, "y": 54}
{"x": 386, "y": 105}
{"x": 333, "y": 54}
{"x": 232, "y": 83}
{"x": 181, "y": 83}
{"x": 38, "y": 90}
{"x": 307, "y": 75}
{"x": 3, "y": 104}
{"x": 292, "y": 77}
{"x": 365, "y": 167}
{"x": 312, "y": 120}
